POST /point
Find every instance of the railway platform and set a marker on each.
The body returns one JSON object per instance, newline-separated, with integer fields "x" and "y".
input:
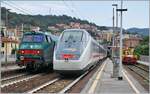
{"x": 10, "y": 68}
{"x": 102, "y": 82}
{"x": 143, "y": 62}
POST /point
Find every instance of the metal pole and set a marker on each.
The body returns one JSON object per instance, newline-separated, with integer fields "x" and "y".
{"x": 116, "y": 5}
{"x": 113, "y": 29}
{"x": 120, "y": 64}
{"x": 16, "y": 41}
{"x": 113, "y": 59}
{"x": 0, "y": 38}
{"x": 22, "y": 30}
{"x": 116, "y": 17}
{"x": 6, "y": 23}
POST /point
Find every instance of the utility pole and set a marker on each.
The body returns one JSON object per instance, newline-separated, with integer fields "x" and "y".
{"x": 6, "y": 24}
{"x": 1, "y": 28}
{"x": 116, "y": 5}
{"x": 121, "y": 17}
{"x": 50, "y": 11}
{"x": 22, "y": 30}
{"x": 16, "y": 40}
{"x": 113, "y": 29}
{"x": 22, "y": 26}
{"x": 115, "y": 57}
{"x": 112, "y": 55}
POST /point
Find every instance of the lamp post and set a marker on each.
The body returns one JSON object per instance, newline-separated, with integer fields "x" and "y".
{"x": 115, "y": 67}
{"x": 116, "y": 5}
{"x": 120, "y": 64}
{"x": 113, "y": 31}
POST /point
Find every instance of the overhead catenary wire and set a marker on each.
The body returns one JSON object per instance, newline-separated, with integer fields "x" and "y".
{"x": 23, "y": 11}
{"x": 77, "y": 10}
{"x": 70, "y": 9}
{"x": 87, "y": 17}
{"x": 28, "y": 11}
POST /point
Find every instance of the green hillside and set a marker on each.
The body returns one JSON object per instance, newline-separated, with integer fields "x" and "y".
{"x": 39, "y": 20}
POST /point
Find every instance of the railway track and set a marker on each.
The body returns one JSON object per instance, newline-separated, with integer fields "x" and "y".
{"x": 12, "y": 77}
{"x": 27, "y": 83}
{"x": 46, "y": 83}
{"x": 5, "y": 82}
{"x": 58, "y": 85}
{"x": 142, "y": 72}
{"x": 61, "y": 84}
{"x": 143, "y": 67}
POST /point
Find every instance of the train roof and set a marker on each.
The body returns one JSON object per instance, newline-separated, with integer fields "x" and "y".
{"x": 35, "y": 32}
{"x": 54, "y": 37}
{"x": 76, "y": 30}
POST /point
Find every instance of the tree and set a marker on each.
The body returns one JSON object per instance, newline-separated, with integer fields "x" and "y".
{"x": 143, "y": 48}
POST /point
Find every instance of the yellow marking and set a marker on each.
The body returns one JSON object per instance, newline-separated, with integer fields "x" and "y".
{"x": 93, "y": 87}
{"x": 130, "y": 82}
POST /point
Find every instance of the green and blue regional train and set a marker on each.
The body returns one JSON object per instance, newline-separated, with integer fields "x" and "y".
{"x": 36, "y": 50}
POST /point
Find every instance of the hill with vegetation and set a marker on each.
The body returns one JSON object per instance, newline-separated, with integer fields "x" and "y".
{"x": 140, "y": 31}
{"x": 43, "y": 22}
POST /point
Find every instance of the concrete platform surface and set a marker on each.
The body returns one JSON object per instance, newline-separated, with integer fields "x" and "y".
{"x": 106, "y": 84}
{"x": 9, "y": 68}
{"x": 144, "y": 63}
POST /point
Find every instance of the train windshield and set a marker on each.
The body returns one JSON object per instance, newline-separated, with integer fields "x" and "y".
{"x": 33, "y": 38}
{"x": 72, "y": 35}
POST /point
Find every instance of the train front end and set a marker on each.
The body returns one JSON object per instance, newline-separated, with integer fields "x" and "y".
{"x": 67, "y": 56}
{"x": 31, "y": 51}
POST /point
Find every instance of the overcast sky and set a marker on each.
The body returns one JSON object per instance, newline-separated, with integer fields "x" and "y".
{"x": 98, "y": 12}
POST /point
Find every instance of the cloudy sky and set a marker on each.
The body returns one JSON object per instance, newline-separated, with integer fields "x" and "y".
{"x": 98, "y": 12}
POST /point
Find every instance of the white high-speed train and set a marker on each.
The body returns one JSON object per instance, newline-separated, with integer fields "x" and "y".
{"x": 76, "y": 52}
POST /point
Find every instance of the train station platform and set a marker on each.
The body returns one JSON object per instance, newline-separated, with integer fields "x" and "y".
{"x": 143, "y": 62}
{"x": 10, "y": 68}
{"x": 102, "y": 82}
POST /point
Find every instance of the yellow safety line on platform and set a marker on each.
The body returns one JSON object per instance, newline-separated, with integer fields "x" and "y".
{"x": 93, "y": 87}
{"x": 130, "y": 82}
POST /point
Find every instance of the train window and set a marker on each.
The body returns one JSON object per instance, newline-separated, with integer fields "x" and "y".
{"x": 84, "y": 37}
{"x": 38, "y": 38}
{"x": 33, "y": 38}
{"x": 72, "y": 35}
{"x": 48, "y": 38}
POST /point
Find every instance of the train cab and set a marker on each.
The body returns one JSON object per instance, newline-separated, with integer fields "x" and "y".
{"x": 36, "y": 50}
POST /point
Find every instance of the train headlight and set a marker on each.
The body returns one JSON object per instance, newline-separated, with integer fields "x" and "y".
{"x": 21, "y": 57}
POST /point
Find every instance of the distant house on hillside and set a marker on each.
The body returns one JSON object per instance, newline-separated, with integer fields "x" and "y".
{"x": 9, "y": 40}
{"x": 105, "y": 35}
{"x": 131, "y": 42}
{"x": 128, "y": 40}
